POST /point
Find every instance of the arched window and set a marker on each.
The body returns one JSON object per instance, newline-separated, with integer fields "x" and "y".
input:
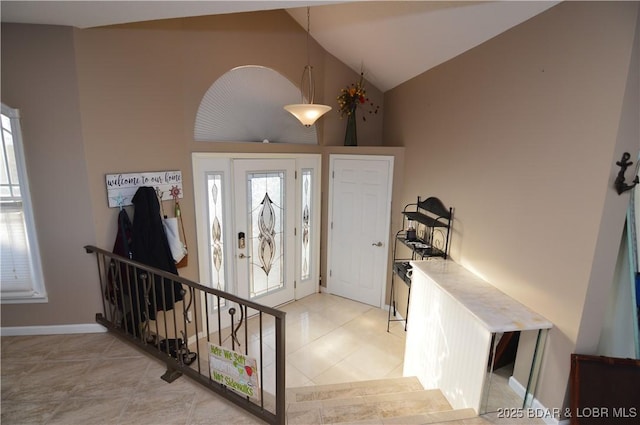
{"x": 246, "y": 105}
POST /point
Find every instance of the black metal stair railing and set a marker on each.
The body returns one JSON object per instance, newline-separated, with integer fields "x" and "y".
{"x": 178, "y": 321}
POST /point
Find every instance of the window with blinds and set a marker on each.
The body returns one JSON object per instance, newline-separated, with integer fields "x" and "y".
{"x": 21, "y": 277}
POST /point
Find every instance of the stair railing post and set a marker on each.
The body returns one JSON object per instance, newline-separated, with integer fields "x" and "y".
{"x": 280, "y": 371}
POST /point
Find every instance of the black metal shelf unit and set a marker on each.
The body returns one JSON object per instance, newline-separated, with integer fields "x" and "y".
{"x": 429, "y": 238}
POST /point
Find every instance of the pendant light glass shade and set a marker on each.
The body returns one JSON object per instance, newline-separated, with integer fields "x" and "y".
{"x": 307, "y": 113}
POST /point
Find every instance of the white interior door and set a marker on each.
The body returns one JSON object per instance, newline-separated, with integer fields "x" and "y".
{"x": 359, "y": 214}
{"x": 265, "y": 225}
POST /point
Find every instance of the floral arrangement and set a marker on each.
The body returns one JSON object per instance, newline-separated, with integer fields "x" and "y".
{"x": 352, "y": 96}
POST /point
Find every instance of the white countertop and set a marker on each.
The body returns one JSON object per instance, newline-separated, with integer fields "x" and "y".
{"x": 497, "y": 311}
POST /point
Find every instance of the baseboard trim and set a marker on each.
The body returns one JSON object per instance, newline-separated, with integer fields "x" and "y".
{"x": 397, "y": 318}
{"x": 547, "y": 415}
{"x": 82, "y": 328}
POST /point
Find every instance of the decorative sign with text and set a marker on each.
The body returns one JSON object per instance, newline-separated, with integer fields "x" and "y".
{"x": 122, "y": 187}
{"x": 235, "y": 370}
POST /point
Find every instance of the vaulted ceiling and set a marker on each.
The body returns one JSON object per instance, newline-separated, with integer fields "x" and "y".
{"x": 393, "y": 40}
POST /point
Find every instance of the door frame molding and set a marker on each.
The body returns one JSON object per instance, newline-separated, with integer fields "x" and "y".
{"x": 303, "y": 160}
{"x": 390, "y": 160}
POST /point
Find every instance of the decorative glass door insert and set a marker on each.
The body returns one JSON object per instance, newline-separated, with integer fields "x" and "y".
{"x": 216, "y": 242}
{"x": 265, "y": 239}
{"x": 305, "y": 246}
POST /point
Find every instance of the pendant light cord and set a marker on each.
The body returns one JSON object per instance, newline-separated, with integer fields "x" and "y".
{"x": 307, "y": 72}
{"x": 308, "y": 32}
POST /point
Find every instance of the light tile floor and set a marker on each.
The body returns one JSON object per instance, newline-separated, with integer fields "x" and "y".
{"x": 332, "y": 340}
{"x": 97, "y": 379}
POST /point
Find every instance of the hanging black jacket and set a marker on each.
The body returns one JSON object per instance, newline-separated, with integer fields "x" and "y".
{"x": 122, "y": 245}
{"x": 149, "y": 246}
{"x": 118, "y": 280}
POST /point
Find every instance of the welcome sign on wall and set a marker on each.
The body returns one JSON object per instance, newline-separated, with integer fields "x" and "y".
{"x": 121, "y": 187}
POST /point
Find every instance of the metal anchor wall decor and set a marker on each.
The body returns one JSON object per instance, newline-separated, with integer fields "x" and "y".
{"x": 619, "y": 183}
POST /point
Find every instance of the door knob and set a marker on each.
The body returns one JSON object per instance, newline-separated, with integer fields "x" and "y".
{"x": 377, "y": 244}
{"x": 243, "y": 256}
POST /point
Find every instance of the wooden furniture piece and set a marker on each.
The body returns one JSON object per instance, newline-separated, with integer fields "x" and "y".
{"x": 604, "y": 390}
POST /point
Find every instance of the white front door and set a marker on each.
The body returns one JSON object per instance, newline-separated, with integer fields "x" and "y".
{"x": 264, "y": 228}
{"x": 270, "y": 205}
{"x": 359, "y": 215}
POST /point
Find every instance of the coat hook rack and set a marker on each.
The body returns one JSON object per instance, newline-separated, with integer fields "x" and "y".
{"x": 619, "y": 184}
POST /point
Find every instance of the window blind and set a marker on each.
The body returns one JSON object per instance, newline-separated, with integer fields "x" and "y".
{"x": 21, "y": 277}
{"x": 17, "y": 275}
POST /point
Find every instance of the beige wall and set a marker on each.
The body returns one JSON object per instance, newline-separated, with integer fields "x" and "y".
{"x": 39, "y": 79}
{"x": 520, "y": 135}
{"x": 124, "y": 99}
{"x": 141, "y": 85}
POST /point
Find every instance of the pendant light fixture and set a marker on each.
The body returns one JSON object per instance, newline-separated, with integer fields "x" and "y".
{"x": 307, "y": 113}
